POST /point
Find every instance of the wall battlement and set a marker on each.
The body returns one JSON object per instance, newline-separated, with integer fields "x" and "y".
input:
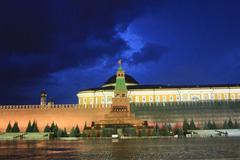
{"x": 89, "y": 106}
{"x": 55, "y": 106}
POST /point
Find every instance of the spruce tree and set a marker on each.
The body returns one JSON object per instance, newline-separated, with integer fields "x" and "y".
{"x": 52, "y": 126}
{"x": 205, "y": 126}
{"x": 59, "y": 133}
{"x": 72, "y": 132}
{"x": 209, "y": 124}
{"x": 230, "y": 123}
{"x": 178, "y": 131}
{"x": 169, "y": 128}
{"x": 156, "y": 130}
{"x": 214, "y": 126}
{"x": 143, "y": 131}
{"x": 85, "y": 126}
{"x": 15, "y": 128}
{"x": 77, "y": 131}
{"x": 64, "y": 134}
{"x": 132, "y": 131}
{"x": 235, "y": 125}
{"x": 225, "y": 125}
{"x": 94, "y": 133}
{"x": 55, "y": 130}
{"x": 185, "y": 125}
{"x": 35, "y": 127}
{"x": 47, "y": 128}
{"x": 164, "y": 130}
{"x": 29, "y": 128}
{"x": 9, "y": 127}
{"x": 192, "y": 125}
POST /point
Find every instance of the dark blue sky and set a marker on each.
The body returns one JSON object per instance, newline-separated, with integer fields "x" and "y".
{"x": 66, "y": 46}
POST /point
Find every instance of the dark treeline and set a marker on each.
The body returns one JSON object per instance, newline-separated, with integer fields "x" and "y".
{"x": 145, "y": 130}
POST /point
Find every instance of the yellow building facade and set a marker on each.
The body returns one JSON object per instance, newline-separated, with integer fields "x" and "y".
{"x": 138, "y": 93}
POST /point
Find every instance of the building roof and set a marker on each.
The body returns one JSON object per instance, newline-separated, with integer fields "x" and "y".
{"x": 164, "y": 87}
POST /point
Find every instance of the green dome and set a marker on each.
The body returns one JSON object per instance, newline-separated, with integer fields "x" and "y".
{"x": 129, "y": 80}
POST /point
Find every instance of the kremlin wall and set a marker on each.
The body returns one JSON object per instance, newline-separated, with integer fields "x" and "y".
{"x": 153, "y": 103}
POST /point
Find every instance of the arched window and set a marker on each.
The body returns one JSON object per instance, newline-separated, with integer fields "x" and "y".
{"x": 195, "y": 98}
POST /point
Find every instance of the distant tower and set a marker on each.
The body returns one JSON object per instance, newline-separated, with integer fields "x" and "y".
{"x": 43, "y": 98}
{"x": 50, "y": 102}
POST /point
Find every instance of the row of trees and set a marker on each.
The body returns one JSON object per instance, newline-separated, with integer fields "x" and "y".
{"x": 228, "y": 124}
{"x": 33, "y": 127}
{"x": 165, "y": 130}
{"x": 13, "y": 128}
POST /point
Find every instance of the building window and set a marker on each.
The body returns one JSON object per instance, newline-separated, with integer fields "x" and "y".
{"x": 143, "y": 99}
{"x": 212, "y": 96}
{"x": 178, "y": 98}
{"x": 136, "y": 99}
{"x": 195, "y": 98}
{"x": 84, "y": 100}
{"x": 103, "y": 100}
{"x": 205, "y": 97}
{"x": 150, "y": 99}
{"x": 171, "y": 98}
{"x": 109, "y": 99}
{"x": 232, "y": 96}
{"x": 225, "y": 96}
{"x": 91, "y": 100}
{"x": 130, "y": 98}
{"x": 96, "y": 100}
{"x": 79, "y": 100}
{"x": 164, "y": 98}
{"x": 157, "y": 99}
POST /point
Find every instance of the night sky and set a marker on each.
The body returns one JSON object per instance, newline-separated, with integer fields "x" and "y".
{"x": 65, "y": 46}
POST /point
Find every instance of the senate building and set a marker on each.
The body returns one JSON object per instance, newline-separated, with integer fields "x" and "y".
{"x": 140, "y": 93}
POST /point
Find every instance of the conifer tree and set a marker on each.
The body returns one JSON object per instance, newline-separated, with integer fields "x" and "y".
{"x": 72, "y": 132}
{"x": 47, "y": 128}
{"x": 164, "y": 131}
{"x": 178, "y": 131}
{"x": 29, "y": 128}
{"x": 59, "y": 133}
{"x": 132, "y": 131}
{"x": 205, "y": 126}
{"x": 143, "y": 131}
{"x": 235, "y": 125}
{"x": 156, "y": 130}
{"x": 85, "y": 126}
{"x": 55, "y": 130}
{"x": 225, "y": 125}
{"x": 192, "y": 125}
{"x": 209, "y": 124}
{"x": 169, "y": 128}
{"x": 185, "y": 125}
{"x": 77, "y": 131}
{"x": 94, "y": 133}
{"x": 52, "y": 126}
{"x": 34, "y": 127}
{"x": 214, "y": 126}
{"x": 230, "y": 123}
{"x": 64, "y": 134}
{"x": 9, "y": 127}
{"x": 15, "y": 127}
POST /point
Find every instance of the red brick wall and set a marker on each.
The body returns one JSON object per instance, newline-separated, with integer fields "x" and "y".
{"x": 64, "y": 117}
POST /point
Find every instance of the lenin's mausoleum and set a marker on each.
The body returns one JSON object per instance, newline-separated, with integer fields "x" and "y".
{"x": 153, "y": 103}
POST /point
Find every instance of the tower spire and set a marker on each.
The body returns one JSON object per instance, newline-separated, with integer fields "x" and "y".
{"x": 120, "y": 65}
